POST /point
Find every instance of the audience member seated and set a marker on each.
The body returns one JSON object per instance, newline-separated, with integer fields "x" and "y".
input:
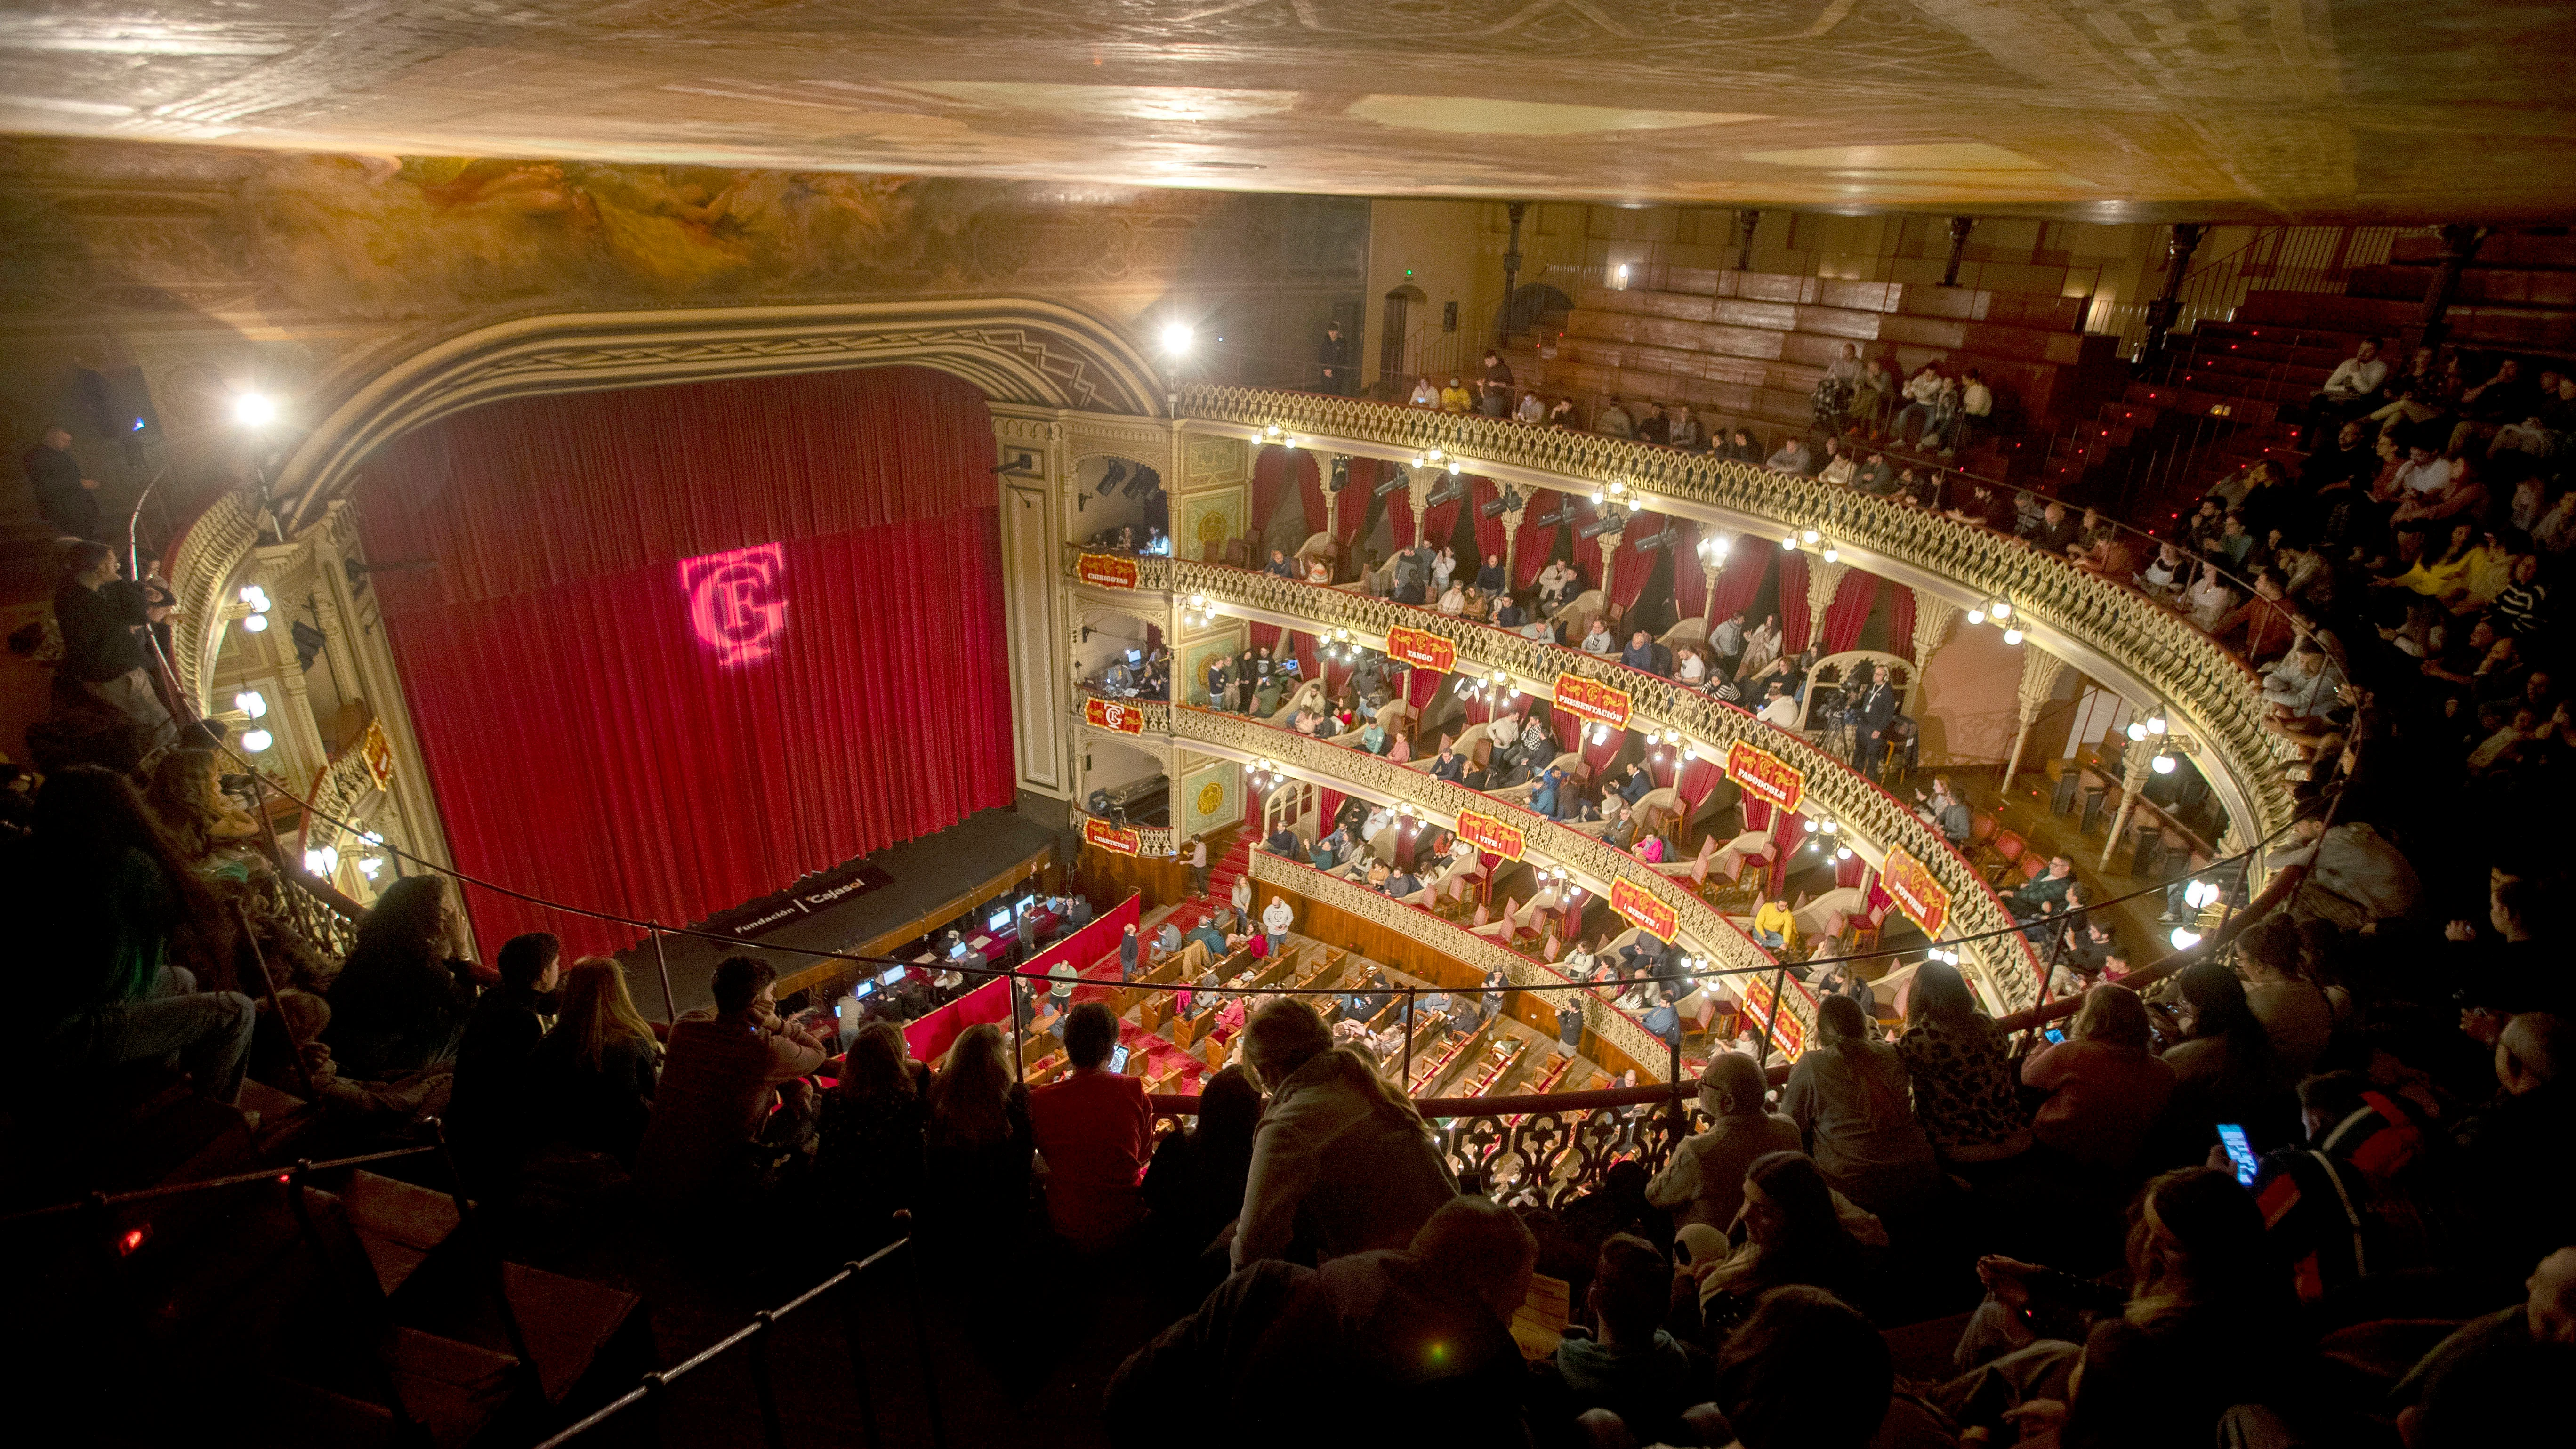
{"x": 1704, "y": 1181}
{"x": 1342, "y": 1163}
{"x": 1805, "y": 1371}
{"x": 2225, "y": 1070}
{"x": 733, "y": 1096}
{"x": 1848, "y": 1095}
{"x": 1625, "y": 1369}
{"x": 402, "y": 997}
{"x": 1962, "y": 1072}
{"x": 2106, "y": 1089}
{"x": 596, "y": 1070}
{"x": 1403, "y": 1346}
{"x": 1797, "y": 1229}
{"x": 1193, "y": 1187}
{"x": 2498, "y": 1377}
{"x": 1094, "y": 1130}
{"x": 493, "y": 1114}
{"x": 975, "y": 1183}
{"x": 869, "y": 1134}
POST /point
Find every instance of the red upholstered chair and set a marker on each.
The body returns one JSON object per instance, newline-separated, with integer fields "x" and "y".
{"x": 2033, "y": 866}
{"x": 2009, "y": 850}
{"x": 1981, "y": 831}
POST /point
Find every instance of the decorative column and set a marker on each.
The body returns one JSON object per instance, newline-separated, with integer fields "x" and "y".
{"x": 1417, "y": 493}
{"x": 1933, "y": 620}
{"x": 2459, "y": 244}
{"x": 1511, "y": 276}
{"x": 1609, "y": 550}
{"x": 1512, "y": 541}
{"x": 1708, "y": 593}
{"x": 1824, "y": 580}
{"x": 2161, "y": 313}
{"x": 2138, "y": 766}
{"x": 1333, "y": 470}
{"x": 1960, "y": 226}
{"x": 2039, "y": 671}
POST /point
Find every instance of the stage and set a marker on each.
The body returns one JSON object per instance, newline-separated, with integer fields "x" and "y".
{"x": 928, "y": 881}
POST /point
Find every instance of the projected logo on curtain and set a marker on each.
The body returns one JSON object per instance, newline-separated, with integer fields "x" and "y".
{"x": 735, "y": 602}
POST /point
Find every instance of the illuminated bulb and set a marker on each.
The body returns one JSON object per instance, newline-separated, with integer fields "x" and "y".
{"x": 2137, "y": 731}
{"x": 1789, "y": 544}
{"x": 1842, "y": 852}
{"x": 1976, "y": 616}
{"x": 1596, "y": 497}
{"x": 1832, "y": 553}
{"x": 371, "y": 866}
{"x": 1833, "y": 826}
{"x": 2012, "y": 636}
{"x": 251, "y": 702}
{"x": 2162, "y": 764}
{"x": 254, "y": 410}
{"x": 1289, "y": 444}
{"x": 2184, "y": 938}
{"x": 1271, "y": 431}
{"x": 1808, "y": 535}
{"x": 1808, "y": 825}
{"x": 256, "y": 623}
{"x": 2199, "y": 894}
{"x": 2002, "y": 609}
{"x": 1177, "y": 337}
{"x": 2156, "y": 723}
{"x": 256, "y": 741}
{"x": 1454, "y": 466}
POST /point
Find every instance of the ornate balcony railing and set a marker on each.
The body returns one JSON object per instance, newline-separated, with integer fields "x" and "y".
{"x": 1483, "y": 953}
{"x": 1152, "y": 841}
{"x": 200, "y": 565}
{"x": 1857, "y": 802}
{"x": 1594, "y": 865}
{"x": 2073, "y": 612}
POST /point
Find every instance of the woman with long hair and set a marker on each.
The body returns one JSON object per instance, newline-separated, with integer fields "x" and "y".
{"x": 109, "y": 905}
{"x": 1789, "y": 1230}
{"x": 871, "y": 1154}
{"x": 1341, "y": 1157}
{"x": 402, "y": 996}
{"x": 599, "y": 1065}
{"x": 182, "y": 797}
{"x": 2225, "y": 1070}
{"x": 1848, "y": 1095}
{"x": 2106, "y": 1087}
{"x": 1194, "y": 1185}
{"x": 975, "y": 1185}
{"x": 1961, "y": 1067}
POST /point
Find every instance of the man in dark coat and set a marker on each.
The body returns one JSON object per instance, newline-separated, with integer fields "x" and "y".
{"x": 67, "y": 500}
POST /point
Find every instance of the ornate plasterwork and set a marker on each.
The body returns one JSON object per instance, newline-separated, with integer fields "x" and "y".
{"x": 2110, "y": 631}
{"x": 1866, "y": 810}
{"x": 1017, "y": 350}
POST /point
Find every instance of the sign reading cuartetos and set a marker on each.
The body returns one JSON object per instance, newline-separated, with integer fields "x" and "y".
{"x": 1107, "y": 570}
{"x": 1422, "y": 649}
{"x": 1490, "y": 835}
{"x": 1593, "y": 701}
{"x": 1109, "y": 714}
{"x": 1110, "y": 837}
{"x": 1765, "y": 776}
{"x": 1643, "y": 909}
{"x": 1915, "y": 892}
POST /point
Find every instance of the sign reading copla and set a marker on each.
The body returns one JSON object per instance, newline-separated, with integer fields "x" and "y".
{"x": 735, "y": 606}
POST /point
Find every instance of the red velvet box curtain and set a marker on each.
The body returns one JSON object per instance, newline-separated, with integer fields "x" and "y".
{"x": 1537, "y": 545}
{"x": 1740, "y": 579}
{"x": 674, "y": 648}
{"x": 1854, "y": 597}
{"x": 1793, "y": 602}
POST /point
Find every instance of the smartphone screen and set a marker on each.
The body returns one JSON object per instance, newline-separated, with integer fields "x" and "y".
{"x": 1118, "y": 1060}
{"x": 2054, "y": 1035}
{"x": 2239, "y": 1151}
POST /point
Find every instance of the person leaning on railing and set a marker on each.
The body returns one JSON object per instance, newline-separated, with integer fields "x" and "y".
{"x": 1704, "y": 1181}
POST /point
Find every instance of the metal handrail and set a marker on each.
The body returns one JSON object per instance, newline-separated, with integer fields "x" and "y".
{"x": 98, "y": 1200}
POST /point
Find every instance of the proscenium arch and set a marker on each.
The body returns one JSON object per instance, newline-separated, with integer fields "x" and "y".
{"x": 1014, "y": 349}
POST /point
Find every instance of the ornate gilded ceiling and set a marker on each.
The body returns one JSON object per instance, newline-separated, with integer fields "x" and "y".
{"x": 2139, "y": 109}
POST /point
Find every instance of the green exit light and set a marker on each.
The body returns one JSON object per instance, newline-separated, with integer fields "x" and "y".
{"x": 1408, "y": 271}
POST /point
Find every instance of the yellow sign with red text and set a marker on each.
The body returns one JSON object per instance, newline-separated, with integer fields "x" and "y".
{"x": 1110, "y": 837}
{"x": 1592, "y": 701}
{"x": 1643, "y": 909}
{"x": 378, "y": 752}
{"x": 1785, "y": 1032}
{"x": 1490, "y": 835}
{"x": 1107, "y": 570}
{"x": 1915, "y": 892}
{"x": 1765, "y": 776}
{"x": 1421, "y": 649}
{"x": 1109, "y": 714}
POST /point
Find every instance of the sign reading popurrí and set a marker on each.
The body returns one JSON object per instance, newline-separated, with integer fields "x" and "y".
{"x": 1593, "y": 701}
{"x": 1915, "y": 892}
{"x": 1110, "y": 837}
{"x": 1643, "y": 908}
{"x": 1765, "y": 776}
{"x": 1490, "y": 835}
{"x": 1109, "y": 714}
{"x": 1108, "y": 570}
{"x": 1422, "y": 649}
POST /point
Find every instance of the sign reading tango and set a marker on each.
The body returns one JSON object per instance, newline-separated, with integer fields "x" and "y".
{"x": 1786, "y": 1033}
{"x": 1109, "y": 714}
{"x": 1593, "y": 701}
{"x": 1915, "y": 892}
{"x": 1422, "y": 649}
{"x": 1107, "y": 570}
{"x": 1490, "y": 835}
{"x": 1765, "y": 776}
{"x": 1110, "y": 837}
{"x": 1643, "y": 909}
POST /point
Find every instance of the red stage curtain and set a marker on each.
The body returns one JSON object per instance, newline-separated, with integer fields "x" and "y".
{"x": 1537, "y": 545}
{"x": 1793, "y": 602}
{"x": 683, "y": 645}
{"x": 1262, "y": 636}
{"x": 1900, "y": 621}
{"x": 1599, "y": 756}
{"x": 1747, "y": 563}
{"x": 1301, "y": 647}
{"x": 1310, "y": 488}
{"x": 1854, "y": 597}
{"x": 1788, "y": 837}
{"x": 1328, "y": 804}
{"x": 1852, "y": 872}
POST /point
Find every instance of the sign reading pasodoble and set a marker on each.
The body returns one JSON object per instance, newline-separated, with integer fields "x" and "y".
{"x": 1109, "y": 714}
{"x": 1590, "y": 700}
{"x": 1108, "y": 570}
{"x": 1765, "y": 776}
{"x": 1422, "y": 649}
{"x": 1490, "y": 835}
{"x": 1643, "y": 909}
{"x": 1915, "y": 892}
{"x": 1110, "y": 837}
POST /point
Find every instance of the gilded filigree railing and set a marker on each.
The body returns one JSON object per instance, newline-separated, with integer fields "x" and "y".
{"x": 1458, "y": 943}
{"x": 199, "y": 569}
{"x": 2213, "y": 691}
{"x": 1857, "y": 802}
{"x": 1151, "y": 840}
{"x": 1593, "y": 864}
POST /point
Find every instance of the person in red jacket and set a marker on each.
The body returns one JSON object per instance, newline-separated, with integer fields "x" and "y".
{"x": 1096, "y": 1133}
